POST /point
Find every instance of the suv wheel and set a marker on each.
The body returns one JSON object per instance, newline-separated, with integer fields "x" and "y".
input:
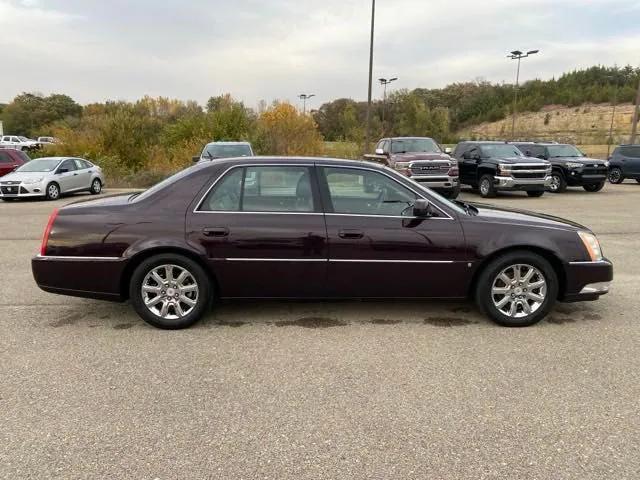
{"x": 517, "y": 289}
{"x": 170, "y": 291}
{"x": 558, "y": 183}
{"x": 487, "y": 187}
{"x": 615, "y": 175}
{"x": 594, "y": 187}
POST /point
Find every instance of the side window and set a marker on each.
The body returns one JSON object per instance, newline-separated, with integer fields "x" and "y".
{"x": 365, "y": 192}
{"x": 79, "y": 164}
{"x": 4, "y": 157}
{"x": 15, "y": 139}
{"x": 471, "y": 151}
{"x": 262, "y": 189}
{"x": 69, "y": 165}
{"x": 630, "y": 151}
{"x": 386, "y": 146}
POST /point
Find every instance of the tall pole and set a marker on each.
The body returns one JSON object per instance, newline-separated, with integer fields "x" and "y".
{"x": 304, "y": 97}
{"x": 515, "y": 101}
{"x": 634, "y": 128}
{"x": 613, "y": 115}
{"x": 384, "y": 82}
{"x": 368, "y": 129}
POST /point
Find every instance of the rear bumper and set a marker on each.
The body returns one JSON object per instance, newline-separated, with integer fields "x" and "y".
{"x": 587, "y": 280}
{"x": 88, "y": 277}
{"x": 528, "y": 184}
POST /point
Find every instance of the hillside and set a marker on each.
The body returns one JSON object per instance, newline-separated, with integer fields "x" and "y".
{"x": 586, "y": 125}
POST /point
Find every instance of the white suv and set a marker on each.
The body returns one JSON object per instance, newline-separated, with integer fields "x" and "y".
{"x": 18, "y": 143}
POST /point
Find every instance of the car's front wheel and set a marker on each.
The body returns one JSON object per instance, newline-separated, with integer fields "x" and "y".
{"x": 487, "y": 187}
{"x": 615, "y": 175}
{"x": 52, "y": 192}
{"x": 558, "y": 183}
{"x": 96, "y": 186}
{"x": 170, "y": 291}
{"x": 517, "y": 289}
{"x": 594, "y": 187}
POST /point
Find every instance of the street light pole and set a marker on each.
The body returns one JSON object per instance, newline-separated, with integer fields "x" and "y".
{"x": 517, "y": 55}
{"x": 368, "y": 128}
{"x": 304, "y": 97}
{"x": 385, "y": 82}
{"x": 613, "y": 115}
{"x": 634, "y": 128}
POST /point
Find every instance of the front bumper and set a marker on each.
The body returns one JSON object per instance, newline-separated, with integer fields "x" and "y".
{"x": 22, "y": 190}
{"x": 438, "y": 182}
{"x": 587, "y": 280}
{"x": 578, "y": 177}
{"x": 529, "y": 184}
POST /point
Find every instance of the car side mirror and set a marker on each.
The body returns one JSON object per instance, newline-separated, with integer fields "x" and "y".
{"x": 422, "y": 208}
{"x": 62, "y": 170}
{"x": 379, "y": 151}
{"x": 448, "y": 150}
{"x": 195, "y": 159}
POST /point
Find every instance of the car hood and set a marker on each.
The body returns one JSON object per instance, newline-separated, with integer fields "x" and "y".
{"x": 492, "y": 213}
{"x": 583, "y": 160}
{"x": 22, "y": 176}
{"x": 412, "y": 157}
{"x": 519, "y": 160}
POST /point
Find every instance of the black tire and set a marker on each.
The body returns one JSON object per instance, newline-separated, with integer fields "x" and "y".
{"x": 451, "y": 194}
{"x": 486, "y": 186}
{"x": 202, "y": 301}
{"x": 594, "y": 187}
{"x": 558, "y": 183}
{"x": 484, "y": 285}
{"x": 49, "y": 192}
{"x": 616, "y": 176}
{"x": 8, "y": 199}
{"x": 535, "y": 193}
{"x": 96, "y": 186}
{"x": 638, "y": 180}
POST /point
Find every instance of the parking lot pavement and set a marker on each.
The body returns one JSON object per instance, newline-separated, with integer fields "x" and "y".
{"x": 323, "y": 390}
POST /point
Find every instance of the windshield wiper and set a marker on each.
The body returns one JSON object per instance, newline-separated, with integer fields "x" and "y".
{"x": 467, "y": 208}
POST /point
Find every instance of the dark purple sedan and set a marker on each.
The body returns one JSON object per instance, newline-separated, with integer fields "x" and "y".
{"x": 301, "y": 228}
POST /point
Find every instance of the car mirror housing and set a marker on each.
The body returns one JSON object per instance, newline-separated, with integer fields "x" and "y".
{"x": 195, "y": 159}
{"x": 422, "y": 208}
{"x": 448, "y": 150}
{"x": 379, "y": 151}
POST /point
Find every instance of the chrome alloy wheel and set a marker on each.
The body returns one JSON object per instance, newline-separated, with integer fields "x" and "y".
{"x": 54, "y": 191}
{"x": 170, "y": 292}
{"x": 554, "y": 186}
{"x": 519, "y": 290}
{"x": 96, "y": 186}
{"x": 484, "y": 187}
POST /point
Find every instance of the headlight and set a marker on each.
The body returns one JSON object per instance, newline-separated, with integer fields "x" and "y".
{"x": 504, "y": 168}
{"x": 606, "y": 164}
{"x": 31, "y": 181}
{"x": 592, "y": 245}
{"x": 574, "y": 165}
{"x": 404, "y": 168}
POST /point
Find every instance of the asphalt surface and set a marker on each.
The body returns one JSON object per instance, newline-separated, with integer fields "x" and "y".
{"x": 323, "y": 390}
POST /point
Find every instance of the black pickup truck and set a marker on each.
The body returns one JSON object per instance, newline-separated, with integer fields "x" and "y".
{"x": 422, "y": 160}
{"x": 493, "y": 166}
{"x": 571, "y": 168}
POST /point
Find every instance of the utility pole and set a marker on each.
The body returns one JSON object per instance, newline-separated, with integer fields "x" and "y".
{"x": 367, "y": 139}
{"x": 304, "y": 97}
{"x": 385, "y": 82}
{"x": 634, "y": 128}
{"x": 517, "y": 55}
{"x": 613, "y": 115}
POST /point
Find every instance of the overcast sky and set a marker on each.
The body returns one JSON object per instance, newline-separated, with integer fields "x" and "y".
{"x": 96, "y": 50}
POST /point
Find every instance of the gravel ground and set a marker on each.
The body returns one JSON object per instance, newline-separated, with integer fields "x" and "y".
{"x": 323, "y": 390}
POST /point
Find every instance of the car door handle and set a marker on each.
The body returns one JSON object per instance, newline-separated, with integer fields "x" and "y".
{"x": 350, "y": 234}
{"x": 215, "y": 232}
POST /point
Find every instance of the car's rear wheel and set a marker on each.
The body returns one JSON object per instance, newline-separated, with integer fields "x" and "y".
{"x": 452, "y": 194}
{"x": 517, "y": 289}
{"x": 487, "y": 187}
{"x": 53, "y": 191}
{"x": 558, "y": 183}
{"x": 615, "y": 175}
{"x": 594, "y": 187}
{"x": 96, "y": 186}
{"x": 535, "y": 193}
{"x": 170, "y": 291}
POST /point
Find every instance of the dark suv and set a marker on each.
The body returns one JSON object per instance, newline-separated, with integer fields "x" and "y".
{"x": 625, "y": 163}
{"x": 422, "y": 160}
{"x": 571, "y": 168}
{"x": 493, "y": 166}
{"x": 10, "y": 159}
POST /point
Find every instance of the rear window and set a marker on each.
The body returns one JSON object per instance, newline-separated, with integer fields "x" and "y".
{"x": 4, "y": 157}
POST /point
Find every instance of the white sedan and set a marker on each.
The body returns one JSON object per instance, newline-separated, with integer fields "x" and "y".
{"x": 52, "y": 177}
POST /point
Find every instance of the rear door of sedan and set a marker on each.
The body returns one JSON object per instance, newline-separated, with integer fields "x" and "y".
{"x": 263, "y": 231}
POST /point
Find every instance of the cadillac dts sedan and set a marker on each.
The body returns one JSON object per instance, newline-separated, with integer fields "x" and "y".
{"x": 289, "y": 228}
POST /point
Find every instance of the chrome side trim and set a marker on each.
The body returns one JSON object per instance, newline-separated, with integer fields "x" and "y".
{"x": 260, "y": 213}
{"x": 340, "y": 260}
{"x": 239, "y": 259}
{"x": 383, "y": 216}
{"x": 332, "y": 260}
{"x": 72, "y": 258}
{"x": 600, "y": 287}
{"x": 591, "y": 262}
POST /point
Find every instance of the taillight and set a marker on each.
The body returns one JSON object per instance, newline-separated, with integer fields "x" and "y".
{"x": 47, "y": 232}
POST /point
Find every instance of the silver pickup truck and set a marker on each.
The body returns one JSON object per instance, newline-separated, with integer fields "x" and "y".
{"x": 422, "y": 160}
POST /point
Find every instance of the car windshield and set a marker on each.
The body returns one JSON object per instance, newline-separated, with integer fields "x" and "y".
{"x": 226, "y": 151}
{"x": 40, "y": 165}
{"x": 556, "y": 151}
{"x": 414, "y": 145}
{"x": 500, "y": 150}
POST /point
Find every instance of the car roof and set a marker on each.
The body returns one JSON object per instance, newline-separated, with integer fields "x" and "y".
{"x": 487, "y": 142}
{"x": 289, "y": 160}
{"x": 228, "y": 143}
{"x": 407, "y": 138}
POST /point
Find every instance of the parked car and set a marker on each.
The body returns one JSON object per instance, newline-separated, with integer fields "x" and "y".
{"x": 571, "y": 168}
{"x": 51, "y": 177}
{"x": 494, "y": 166}
{"x": 217, "y": 150}
{"x": 47, "y": 140}
{"x": 312, "y": 228}
{"x": 18, "y": 143}
{"x": 625, "y": 163}
{"x": 11, "y": 159}
{"x": 422, "y": 160}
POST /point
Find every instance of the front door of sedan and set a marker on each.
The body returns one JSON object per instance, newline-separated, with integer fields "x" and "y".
{"x": 83, "y": 177}
{"x": 263, "y": 232}
{"x": 67, "y": 176}
{"x": 377, "y": 248}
